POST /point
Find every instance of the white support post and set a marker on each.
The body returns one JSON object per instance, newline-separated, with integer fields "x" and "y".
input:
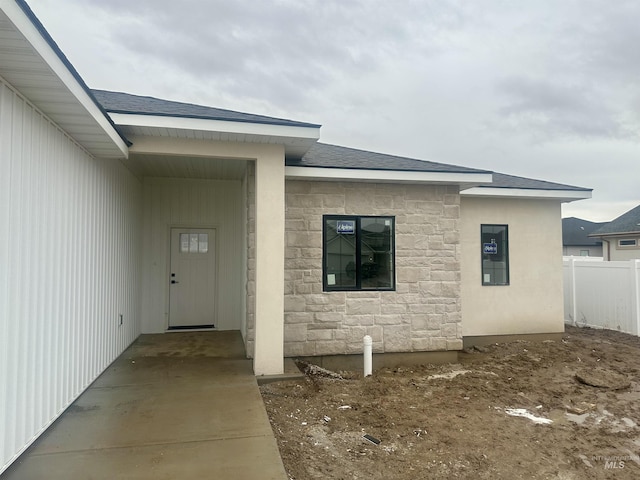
{"x": 269, "y": 304}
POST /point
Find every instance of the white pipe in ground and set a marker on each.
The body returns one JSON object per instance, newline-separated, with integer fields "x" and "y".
{"x": 368, "y": 351}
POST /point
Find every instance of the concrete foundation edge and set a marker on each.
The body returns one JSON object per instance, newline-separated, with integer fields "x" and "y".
{"x": 382, "y": 360}
{"x": 492, "y": 339}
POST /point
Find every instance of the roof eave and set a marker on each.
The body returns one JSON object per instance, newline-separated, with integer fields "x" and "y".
{"x": 57, "y": 74}
{"x": 296, "y": 139}
{"x": 385, "y": 176}
{"x": 530, "y": 193}
{"x": 614, "y": 234}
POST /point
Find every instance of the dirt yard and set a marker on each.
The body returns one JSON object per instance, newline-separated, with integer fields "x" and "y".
{"x": 555, "y": 410}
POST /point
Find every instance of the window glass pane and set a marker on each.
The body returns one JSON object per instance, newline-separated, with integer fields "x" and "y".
{"x": 340, "y": 254}
{"x": 193, "y": 243}
{"x": 376, "y": 253}
{"x": 495, "y": 255}
{"x": 203, "y": 242}
{"x": 184, "y": 243}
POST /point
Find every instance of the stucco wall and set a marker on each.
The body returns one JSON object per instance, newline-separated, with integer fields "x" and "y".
{"x": 423, "y": 314}
{"x": 532, "y": 302}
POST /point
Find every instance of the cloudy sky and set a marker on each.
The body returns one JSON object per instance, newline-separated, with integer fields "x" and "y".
{"x": 546, "y": 89}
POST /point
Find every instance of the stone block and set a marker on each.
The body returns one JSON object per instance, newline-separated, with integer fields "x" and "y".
{"x": 295, "y": 333}
{"x": 397, "y": 338}
{"x": 421, "y": 344}
{"x": 357, "y": 306}
{"x": 332, "y": 347}
{"x": 449, "y": 330}
{"x": 393, "y": 308}
{"x": 435, "y": 322}
{"x": 298, "y": 317}
{"x": 438, "y": 343}
{"x": 375, "y": 332}
{"x": 419, "y": 322}
{"x": 454, "y": 344}
{"x": 328, "y": 317}
{"x": 356, "y": 334}
{"x": 294, "y": 303}
{"x": 299, "y": 349}
{"x": 387, "y": 320}
{"x": 358, "y": 320}
{"x": 324, "y": 326}
{"x": 410, "y": 275}
{"x": 323, "y": 334}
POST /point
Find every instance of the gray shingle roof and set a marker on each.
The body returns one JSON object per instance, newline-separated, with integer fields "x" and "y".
{"x": 117, "y": 102}
{"x": 501, "y": 180}
{"x": 575, "y": 232}
{"x": 322, "y": 155}
{"x": 626, "y": 223}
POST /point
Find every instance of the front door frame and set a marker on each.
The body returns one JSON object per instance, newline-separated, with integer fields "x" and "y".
{"x": 167, "y": 278}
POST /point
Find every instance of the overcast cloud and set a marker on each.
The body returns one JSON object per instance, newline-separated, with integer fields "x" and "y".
{"x": 542, "y": 89}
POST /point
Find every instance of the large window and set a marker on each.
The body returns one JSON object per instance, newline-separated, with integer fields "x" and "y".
{"x": 495, "y": 254}
{"x": 358, "y": 253}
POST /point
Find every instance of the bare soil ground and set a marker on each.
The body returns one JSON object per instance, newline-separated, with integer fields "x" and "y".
{"x": 454, "y": 421}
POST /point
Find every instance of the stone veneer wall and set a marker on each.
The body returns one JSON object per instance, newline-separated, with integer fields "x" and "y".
{"x": 423, "y": 314}
{"x": 249, "y": 339}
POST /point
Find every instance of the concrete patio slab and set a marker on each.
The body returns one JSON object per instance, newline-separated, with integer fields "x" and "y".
{"x": 179, "y": 405}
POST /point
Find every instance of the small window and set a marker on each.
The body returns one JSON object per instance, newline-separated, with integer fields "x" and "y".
{"x": 194, "y": 242}
{"x": 584, "y": 253}
{"x": 358, "y": 253}
{"x": 495, "y": 254}
{"x": 628, "y": 242}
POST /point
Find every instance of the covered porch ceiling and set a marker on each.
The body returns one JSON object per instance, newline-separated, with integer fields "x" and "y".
{"x": 191, "y": 167}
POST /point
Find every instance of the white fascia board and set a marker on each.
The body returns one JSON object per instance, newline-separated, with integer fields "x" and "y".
{"x": 223, "y": 126}
{"x": 564, "y": 195}
{"x": 317, "y": 173}
{"x": 26, "y": 27}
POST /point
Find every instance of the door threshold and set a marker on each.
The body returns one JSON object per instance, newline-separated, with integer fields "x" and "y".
{"x": 192, "y": 328}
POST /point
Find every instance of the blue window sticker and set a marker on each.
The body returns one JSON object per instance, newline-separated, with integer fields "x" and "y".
{"x": 490, "y": 248}
{"x": 346, "y": 226}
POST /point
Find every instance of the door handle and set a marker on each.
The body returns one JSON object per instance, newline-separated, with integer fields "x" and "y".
{"x": 174, "y": 281}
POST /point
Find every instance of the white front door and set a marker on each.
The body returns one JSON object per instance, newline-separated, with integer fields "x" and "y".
{"x": 192, "y": 278}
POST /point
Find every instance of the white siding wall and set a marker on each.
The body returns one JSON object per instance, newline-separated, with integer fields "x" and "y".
{"x": 192, "y": 203}
{"x": 69, "y": 250}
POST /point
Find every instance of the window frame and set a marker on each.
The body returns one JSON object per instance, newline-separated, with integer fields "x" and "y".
{"x": 507, "y": 281}
{"x": 632, "y": 245}
{"x": 358, "y": 249}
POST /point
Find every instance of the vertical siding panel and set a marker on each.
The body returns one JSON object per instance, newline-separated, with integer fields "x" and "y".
{"x": 5, "y": 233}
{"x": 69, "y": 244}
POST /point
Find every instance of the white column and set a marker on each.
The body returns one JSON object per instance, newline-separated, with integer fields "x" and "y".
{"x": 269, "y": 308}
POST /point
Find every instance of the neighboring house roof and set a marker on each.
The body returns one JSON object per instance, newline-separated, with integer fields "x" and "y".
{"x": 322, "y": 155}
{"x": 626, "y": 223}
{"x": 118, "y": 102}
{"x": 575, "y": 232}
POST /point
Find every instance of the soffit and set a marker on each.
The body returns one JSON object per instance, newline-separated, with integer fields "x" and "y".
{"x": 168, "y": 166}
{"x": 296, "y": 140}
{"x": 31, "y": 65}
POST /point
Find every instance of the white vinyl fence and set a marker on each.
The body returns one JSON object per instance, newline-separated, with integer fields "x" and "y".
{"x": 602, "y": 294}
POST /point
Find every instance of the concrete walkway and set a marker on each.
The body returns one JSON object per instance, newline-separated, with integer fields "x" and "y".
{"x": 173, "y": 406}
